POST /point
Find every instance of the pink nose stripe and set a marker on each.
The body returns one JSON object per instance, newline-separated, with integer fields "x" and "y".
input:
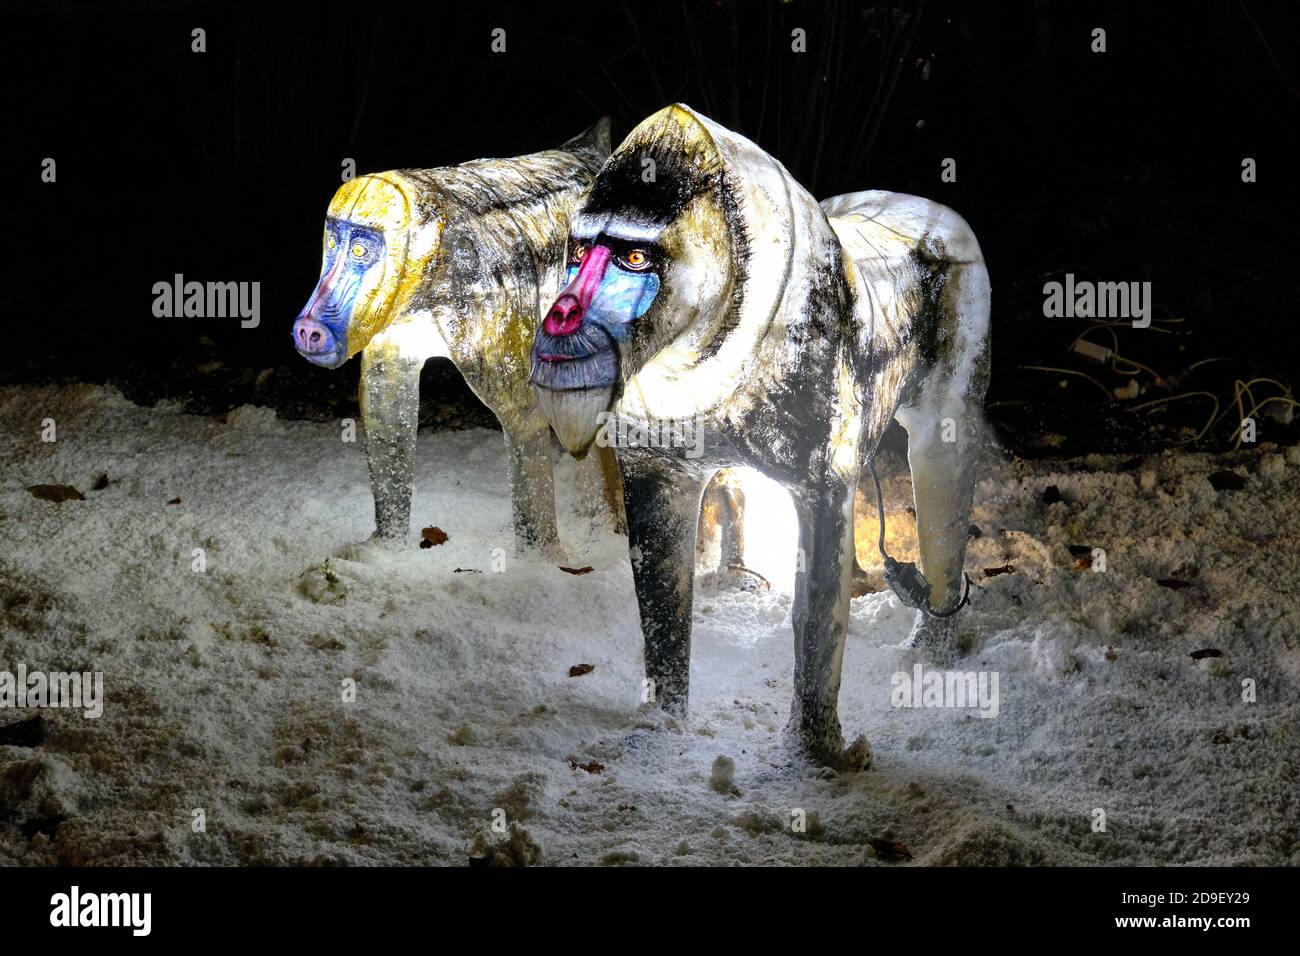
{"x": 325, "y": 285}
{"x": 566, "y": 314}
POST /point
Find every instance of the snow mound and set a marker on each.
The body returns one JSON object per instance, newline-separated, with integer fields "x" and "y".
{"x": 323, "y": 699}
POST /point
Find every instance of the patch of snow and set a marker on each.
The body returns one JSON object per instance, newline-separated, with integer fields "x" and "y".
{"x": 468, "y": 741}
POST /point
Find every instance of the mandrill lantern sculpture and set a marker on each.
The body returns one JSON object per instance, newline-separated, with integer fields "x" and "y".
{"x": 458, "y": 263}
{"x": 718, "y": 291}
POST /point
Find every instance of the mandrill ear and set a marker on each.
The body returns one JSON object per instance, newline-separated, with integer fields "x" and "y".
{"x": 593, "y": 143}
{"x": 668, "y": 160}
{"x": 681, "y": 135}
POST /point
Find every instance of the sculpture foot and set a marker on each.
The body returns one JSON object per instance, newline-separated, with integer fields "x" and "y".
{"x": 818, "y": 739}
{"x": 832, "y": 754}
{"x": 653, "y": 716}
{"x": 935, "y": 636}
{"x": 549, "y": 551}
{"x": 359, "y": 551}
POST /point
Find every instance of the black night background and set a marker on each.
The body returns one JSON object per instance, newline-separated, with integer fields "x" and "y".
{"x": 199, "y": 533}
{"x": 1123, "y": 165}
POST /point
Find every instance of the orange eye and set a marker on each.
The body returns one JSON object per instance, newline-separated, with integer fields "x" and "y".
{"x": 579, "y": 253}
{"x": 637, "y": 259}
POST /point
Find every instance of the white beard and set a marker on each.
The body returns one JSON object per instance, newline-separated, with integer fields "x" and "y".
{"x": 575, "y": 414}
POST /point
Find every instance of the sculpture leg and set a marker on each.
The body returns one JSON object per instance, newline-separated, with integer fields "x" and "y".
{"x": 532, "y": 490}
{"x": 944, "y": 441}
{"x": 732, "y": 513}
{"x": 821, "y": 618}
{"x": 943, "y": 485}
{"x": 599, "y": 493}
{"x": 663, "y": 506}
{"x": 720, "y": 547}
{"x": 390, "y": 413}
{"x": 861, "y": 582}
{"x": 612, "y": 487}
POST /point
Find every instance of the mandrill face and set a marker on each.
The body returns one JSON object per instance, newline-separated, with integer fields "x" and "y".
{"x": 374, "y": 252}
{"x": 649, "y": 263}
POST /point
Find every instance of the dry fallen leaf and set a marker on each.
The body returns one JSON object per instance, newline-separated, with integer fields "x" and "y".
{"x": 56, "y": 493}
{"x": 1227, "y": 481}
{"x": 24, "y": 733}
{"x": 577, "y": 670}
{"x": 890, "y": 850}
{"x": 1206, "y": 652}
{"x": 994, "y": 572}
{"x": 432, "y": 536}
{"x": 466, "y": 571}
{"x": 586, "y": 570}
{"x": 175, "y": 501}
{"x": 590, "y": 767}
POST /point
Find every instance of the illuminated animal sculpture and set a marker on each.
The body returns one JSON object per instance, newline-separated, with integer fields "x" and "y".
{"x": 456, "y": 262}
{"x": 719, "y": 291}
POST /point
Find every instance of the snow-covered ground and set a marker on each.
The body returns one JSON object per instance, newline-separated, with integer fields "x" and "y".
{"x": 224, "y": 687}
